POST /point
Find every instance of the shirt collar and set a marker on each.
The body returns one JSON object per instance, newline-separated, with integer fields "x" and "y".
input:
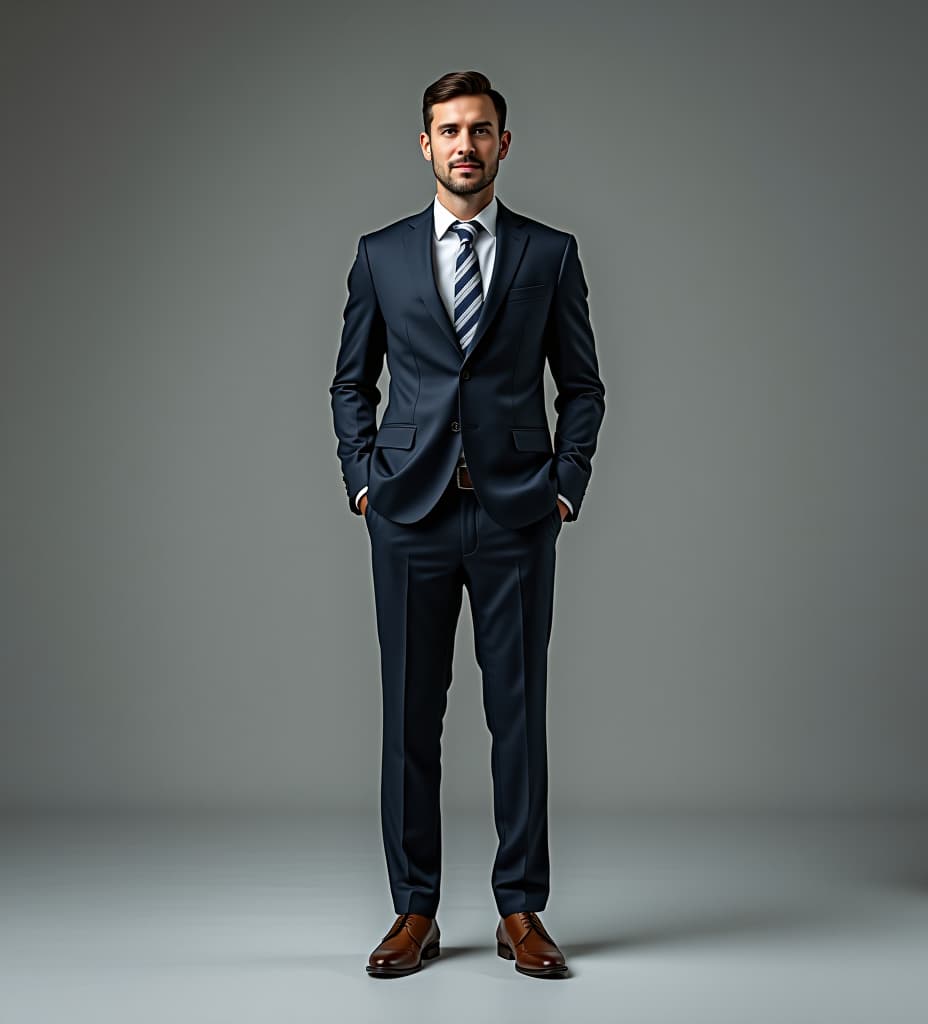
{"x": 443, "y": 218}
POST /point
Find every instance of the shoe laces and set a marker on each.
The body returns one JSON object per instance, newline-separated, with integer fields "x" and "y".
{"x": 530, "y": 920}
{"x": 398, "y": 925}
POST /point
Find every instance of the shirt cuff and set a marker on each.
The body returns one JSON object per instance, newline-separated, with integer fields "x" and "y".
{"x": 363, "y": 491}
{"x": 570, "y": 507}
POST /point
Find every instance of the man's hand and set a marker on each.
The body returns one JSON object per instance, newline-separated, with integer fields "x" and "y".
{"x": 362, "y": 504}
{"x": 562, "y": 508}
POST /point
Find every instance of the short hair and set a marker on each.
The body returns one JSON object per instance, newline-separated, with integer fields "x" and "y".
{"x": 461, "y": 83}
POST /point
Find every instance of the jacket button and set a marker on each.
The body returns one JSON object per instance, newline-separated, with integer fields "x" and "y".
{"x": 465, "y": 374}
{"x": 455, "y": 426}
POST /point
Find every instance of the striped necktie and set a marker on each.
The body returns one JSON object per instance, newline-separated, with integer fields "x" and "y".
{"x": 468, "y": 287}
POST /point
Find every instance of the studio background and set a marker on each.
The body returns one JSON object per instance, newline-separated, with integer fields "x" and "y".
{"x": 187, "y": 610}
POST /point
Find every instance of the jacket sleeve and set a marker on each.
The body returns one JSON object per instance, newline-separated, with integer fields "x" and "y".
{"x": 354, "y": 391}
{"x": 580, "y": 403}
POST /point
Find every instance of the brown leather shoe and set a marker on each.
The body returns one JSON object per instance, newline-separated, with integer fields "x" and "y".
{"x": 412, "y": 939}
{"x": 522, "y": 937}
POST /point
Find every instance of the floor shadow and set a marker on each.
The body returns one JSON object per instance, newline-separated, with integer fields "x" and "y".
{"x": 449, "y": 952}
{"x": 698, "y": 927}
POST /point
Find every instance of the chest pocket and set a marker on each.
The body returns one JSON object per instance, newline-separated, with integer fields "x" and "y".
{"x": 531, "y": 291}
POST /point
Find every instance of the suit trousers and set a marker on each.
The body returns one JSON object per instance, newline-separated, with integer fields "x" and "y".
{"x": 419, "y": 572}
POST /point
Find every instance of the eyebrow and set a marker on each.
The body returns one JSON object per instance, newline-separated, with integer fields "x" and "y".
{"x": 454, "y": 124}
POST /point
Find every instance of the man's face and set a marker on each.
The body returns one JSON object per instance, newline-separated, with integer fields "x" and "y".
{"x": 464, "y": 144}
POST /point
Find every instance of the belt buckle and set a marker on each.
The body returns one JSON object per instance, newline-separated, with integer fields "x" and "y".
{"x": 457, "y": 475}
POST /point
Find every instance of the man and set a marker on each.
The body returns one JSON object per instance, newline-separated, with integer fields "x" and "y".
{"x": 460, "y": 487}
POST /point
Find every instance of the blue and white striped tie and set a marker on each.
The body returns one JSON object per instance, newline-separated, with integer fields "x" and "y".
{"x": 468, "y": 286}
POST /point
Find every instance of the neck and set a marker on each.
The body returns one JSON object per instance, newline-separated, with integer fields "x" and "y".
{"x": 465, "y": 207}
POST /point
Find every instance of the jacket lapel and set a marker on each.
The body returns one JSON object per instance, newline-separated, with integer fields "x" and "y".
{"x": 510, "y": 244}
{"x": 511, "y": 239}
{"x": 418, "y": 243}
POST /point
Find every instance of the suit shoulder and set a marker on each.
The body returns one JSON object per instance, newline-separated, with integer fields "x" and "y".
{"x": 549, "y": 242}
{"x": 541, "y": 230}
{"x": 389, "y": 232}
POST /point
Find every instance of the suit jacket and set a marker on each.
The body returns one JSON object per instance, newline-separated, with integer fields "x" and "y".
{"x": 490, "y": 396}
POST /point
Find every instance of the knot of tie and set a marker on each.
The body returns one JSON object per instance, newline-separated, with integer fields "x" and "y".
{"x": 466, "y": 231}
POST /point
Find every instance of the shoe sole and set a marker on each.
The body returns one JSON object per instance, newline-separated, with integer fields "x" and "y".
{"x": 506, "y": 953}
{"x": 429, "y": 953}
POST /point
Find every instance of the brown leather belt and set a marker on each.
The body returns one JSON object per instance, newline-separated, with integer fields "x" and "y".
{"x": 462, "y": 478}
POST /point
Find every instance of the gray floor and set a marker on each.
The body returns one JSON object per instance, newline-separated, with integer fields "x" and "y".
{"x": 814, "y": 918}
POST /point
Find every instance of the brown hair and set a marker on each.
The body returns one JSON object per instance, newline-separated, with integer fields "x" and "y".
{"x": 461, "y": 83}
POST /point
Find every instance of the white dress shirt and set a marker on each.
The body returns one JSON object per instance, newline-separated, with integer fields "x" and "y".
{"x": 445, "y": 246}
{"x": 446, "y": 243}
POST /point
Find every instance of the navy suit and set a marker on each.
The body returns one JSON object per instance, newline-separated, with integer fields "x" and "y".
{"x": 430, "y": 539}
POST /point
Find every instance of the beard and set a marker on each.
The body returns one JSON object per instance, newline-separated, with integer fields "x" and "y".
{"x": 484, "y": 176}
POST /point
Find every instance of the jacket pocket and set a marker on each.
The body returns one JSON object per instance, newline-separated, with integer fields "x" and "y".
{"x": 532, "y": 439}
{"x": 395, "y": 435}
{"x": 532, "y": 291}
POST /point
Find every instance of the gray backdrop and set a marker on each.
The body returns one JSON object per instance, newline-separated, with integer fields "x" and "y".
{"x": 187, "y": 611}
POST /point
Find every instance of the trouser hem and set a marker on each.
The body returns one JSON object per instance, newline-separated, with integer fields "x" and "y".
{"x": 506, "y": 909}
{"x": 418, "y": 905}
